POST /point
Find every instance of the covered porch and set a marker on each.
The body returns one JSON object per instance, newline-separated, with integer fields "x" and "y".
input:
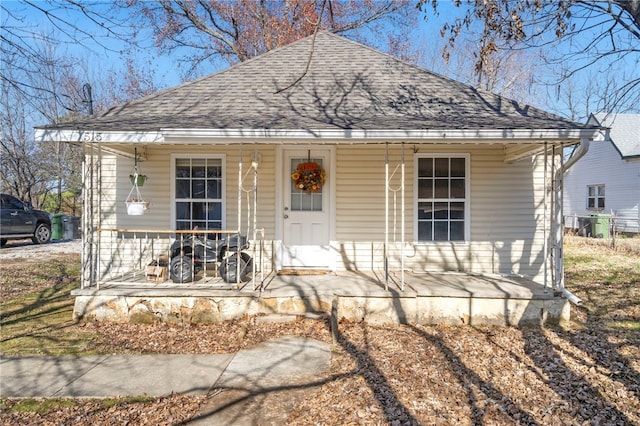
{"x": 388, "y": 280}
{"x": 371, "y": 296}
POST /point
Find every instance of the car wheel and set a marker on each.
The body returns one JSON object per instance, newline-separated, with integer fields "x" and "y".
{"x": 181, "y": 269}
{"x": 42, "y": 234}
{"x": 3, "y": 242}
{"x": 229, "y": 268}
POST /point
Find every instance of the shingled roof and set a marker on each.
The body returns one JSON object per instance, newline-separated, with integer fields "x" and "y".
{"x": 347, "y": 86}
{"x": 624, "y": 133}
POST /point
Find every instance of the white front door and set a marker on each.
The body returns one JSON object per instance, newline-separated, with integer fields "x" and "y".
{"x": 306, "y": 210}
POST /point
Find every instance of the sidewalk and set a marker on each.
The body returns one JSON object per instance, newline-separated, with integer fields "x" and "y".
{"x": 276, "y": 363}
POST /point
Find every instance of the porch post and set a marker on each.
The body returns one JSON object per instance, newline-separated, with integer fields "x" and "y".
{"x": 402, "y": 224}
{"x": 581, "y": 151}
{"x": 98, "y": 277}
{"x": 386, "y": 216}
{"x": 254, "y": 164}
{"x": 558, "y": 282}
{"x": 546, "y": 218}
{"x": 87, "y": 168}
{"x": 239, "y": 225}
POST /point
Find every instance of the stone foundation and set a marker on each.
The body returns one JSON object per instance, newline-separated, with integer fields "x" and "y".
{"x": 379, "y": 310}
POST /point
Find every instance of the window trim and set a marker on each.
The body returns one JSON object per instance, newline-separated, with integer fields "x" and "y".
{"x": 172, "y": 186}
{"x": 466, "y": 200}
{"x": 597, "y": 186}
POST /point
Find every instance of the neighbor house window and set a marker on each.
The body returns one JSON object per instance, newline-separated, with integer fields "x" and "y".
{"x": 442, "y": 198}
{"x": 595, "y": 197}
{"x": 198, "y": 192}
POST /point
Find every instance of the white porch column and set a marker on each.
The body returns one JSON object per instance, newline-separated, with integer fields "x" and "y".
{"x": 558, "y": 228}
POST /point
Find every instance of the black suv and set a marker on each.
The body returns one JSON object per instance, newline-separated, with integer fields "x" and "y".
{"x": 19, "y": 220}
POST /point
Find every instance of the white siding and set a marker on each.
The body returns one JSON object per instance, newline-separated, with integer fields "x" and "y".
{"x": 506, "y": 209}
{"x": 603, "y": 165}
{"x": 506, "y": 205}
{"x": 116, "y": 185}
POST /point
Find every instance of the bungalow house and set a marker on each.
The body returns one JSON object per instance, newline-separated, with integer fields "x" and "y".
{"x": 363, "y": 183}
{"x": 606, "y": 181}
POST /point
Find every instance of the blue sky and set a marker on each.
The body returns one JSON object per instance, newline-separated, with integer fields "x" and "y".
{"x": 426, "y": 38}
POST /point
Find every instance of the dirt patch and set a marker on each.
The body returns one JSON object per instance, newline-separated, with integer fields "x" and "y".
{"x": 26, "y": 249}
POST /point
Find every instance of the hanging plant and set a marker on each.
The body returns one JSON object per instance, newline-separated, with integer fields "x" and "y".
{"x": 137, "y": 179}
{"x": 309, "y": 177}
{"x": 136, "y": 205}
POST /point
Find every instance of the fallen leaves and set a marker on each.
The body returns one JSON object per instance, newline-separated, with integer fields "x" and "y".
{"x": 169, "y": 410}
{"x": 586, "y": 373}
{"x": 464, "y": 375}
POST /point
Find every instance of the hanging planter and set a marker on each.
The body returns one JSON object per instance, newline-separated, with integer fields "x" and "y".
{"x": 136, "y": 208}
{"x": 136, "y": 205}
{"x": 309, "y": 177}
{"x": 137, "y": 179}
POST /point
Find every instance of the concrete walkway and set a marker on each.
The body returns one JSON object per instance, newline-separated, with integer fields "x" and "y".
{"x": 279, "y": 363}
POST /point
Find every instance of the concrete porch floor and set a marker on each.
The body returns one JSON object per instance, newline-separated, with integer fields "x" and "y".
{"x": 427, "y": 298}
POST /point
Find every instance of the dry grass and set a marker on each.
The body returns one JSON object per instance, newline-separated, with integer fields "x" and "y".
{"x": 621, "y": 244}
{"x": 587, "y": 372}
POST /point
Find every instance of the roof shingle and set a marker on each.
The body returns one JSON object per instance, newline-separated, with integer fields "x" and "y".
{"x": 347, "y": 86}
{"x": 625, "y": 132}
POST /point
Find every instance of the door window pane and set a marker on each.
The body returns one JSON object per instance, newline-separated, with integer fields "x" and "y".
{"x": 301, "y": 199}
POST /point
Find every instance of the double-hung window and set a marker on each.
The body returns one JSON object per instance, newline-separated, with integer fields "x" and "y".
{"x": 442, "y": 197}
{"x": 199, "y": 192}
{"x": 595, "y": 197}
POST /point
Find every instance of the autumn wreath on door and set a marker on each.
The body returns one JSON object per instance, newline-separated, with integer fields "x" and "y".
{"x": 309, "y": 177}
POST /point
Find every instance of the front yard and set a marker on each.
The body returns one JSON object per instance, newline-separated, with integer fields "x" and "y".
{"x": 586, "y": 372}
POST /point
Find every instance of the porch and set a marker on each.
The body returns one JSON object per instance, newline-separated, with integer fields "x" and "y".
{"x": 371, "y": 296}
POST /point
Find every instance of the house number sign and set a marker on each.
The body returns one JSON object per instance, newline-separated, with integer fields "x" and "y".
{"x": 91, "y": 136}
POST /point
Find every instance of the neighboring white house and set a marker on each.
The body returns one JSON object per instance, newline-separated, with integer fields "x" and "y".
{"x": 607, "y": 179}
{"x": 419, "y": 172}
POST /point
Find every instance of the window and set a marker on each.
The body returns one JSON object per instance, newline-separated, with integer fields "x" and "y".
{"x": 301, "y": 200}
{"x": 198, "y": 192}
{"x": 442, "y": 198}
{"x": 595, "y": 197}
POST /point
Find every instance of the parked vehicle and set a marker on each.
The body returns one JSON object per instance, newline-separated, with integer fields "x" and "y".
{"x": 190, "y": 253}
{"x": 18, "y": 220}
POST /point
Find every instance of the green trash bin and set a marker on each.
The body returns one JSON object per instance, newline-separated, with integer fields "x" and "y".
{"x": 600, "y": 225}
{"x": 56, "y": 226}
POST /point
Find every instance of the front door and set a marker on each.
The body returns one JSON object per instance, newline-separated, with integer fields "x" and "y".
{"x": 306, "y": 210}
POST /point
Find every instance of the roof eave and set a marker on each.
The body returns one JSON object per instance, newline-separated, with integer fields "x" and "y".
{"x": 230, "y": 136}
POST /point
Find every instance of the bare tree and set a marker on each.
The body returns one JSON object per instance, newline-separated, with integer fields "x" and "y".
{"x": 21, "y": 38}
{"x": 578, "y": 35}
{"x": 237, "y": 30}
{"x": 20, "y": 175}
{"x": 42, "y": 85}
{"x": 198, "y": 33}
{"x": 510, "y": 73}
{"x": 31, "y": 170}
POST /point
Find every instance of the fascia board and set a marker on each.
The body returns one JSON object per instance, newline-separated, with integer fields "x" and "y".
{"x": 342, "y": 136}
{"x": 97, "y": 136}
{"x": 376, "y": 136}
